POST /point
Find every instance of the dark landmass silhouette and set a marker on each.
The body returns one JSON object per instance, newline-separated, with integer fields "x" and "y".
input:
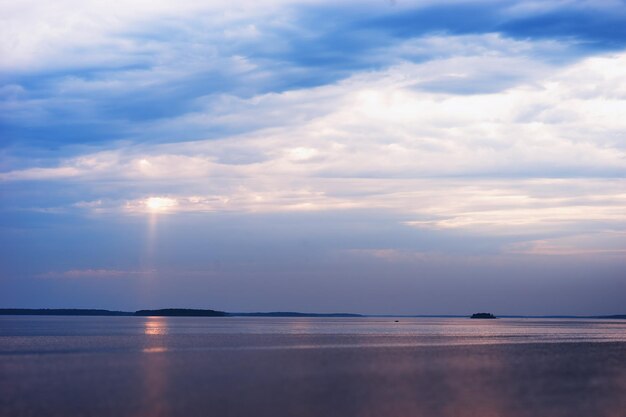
{"x": 166, "y": 312}
{"x": 294, "y": 314}
{"x": 181, "y": 312}
{"x": 482, "y": 316}
{"x": 186, "y": 312}
{"x": 61, "y": 312}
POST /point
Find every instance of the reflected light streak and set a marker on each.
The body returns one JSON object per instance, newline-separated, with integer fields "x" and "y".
{"x": 156, "y": 326}
{"x": 154, "y": 350}
{"x": 155, "y": 371}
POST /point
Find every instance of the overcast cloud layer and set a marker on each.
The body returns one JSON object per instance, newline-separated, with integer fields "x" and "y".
{"x": 403, "y": 157}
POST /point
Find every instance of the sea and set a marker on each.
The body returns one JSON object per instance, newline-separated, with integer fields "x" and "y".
{"x": 71, "y": 366}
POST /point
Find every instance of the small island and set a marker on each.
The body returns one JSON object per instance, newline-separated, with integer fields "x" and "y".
{"x": 483, "y": 316}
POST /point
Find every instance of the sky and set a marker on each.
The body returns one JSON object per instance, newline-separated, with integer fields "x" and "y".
{"x": 378, "y": 157}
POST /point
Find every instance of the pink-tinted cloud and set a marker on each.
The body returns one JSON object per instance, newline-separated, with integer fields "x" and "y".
{"x": 96, "y": 273}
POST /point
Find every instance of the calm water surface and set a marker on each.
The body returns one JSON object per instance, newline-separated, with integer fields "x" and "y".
{"x": 155, "y": 366}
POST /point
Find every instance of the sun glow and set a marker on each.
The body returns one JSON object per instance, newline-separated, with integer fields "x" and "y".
{"x": 157, "y": 204}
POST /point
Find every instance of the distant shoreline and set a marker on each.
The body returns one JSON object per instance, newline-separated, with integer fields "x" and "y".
{"x": 167, "y": 312}
{"x": 184, "y": 312}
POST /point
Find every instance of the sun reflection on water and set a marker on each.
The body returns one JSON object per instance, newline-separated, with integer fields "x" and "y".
{"x": 156, "y": 326}
{"x": 154, "y": 350}
{"x": 155, "y": 366}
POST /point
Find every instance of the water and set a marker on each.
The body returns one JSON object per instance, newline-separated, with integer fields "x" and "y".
{"x": 157, "y": 367}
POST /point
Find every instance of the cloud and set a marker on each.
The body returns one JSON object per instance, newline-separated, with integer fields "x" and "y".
{"x": 548, "y": 125}
{"x": 507, "y": 123}
{"x": 541, "y": 154}
{"x": 40, "y": 173}
{"x": 607, "y": 243}
{"x": 91, "y": 73}
{"x": 96, "y": 273}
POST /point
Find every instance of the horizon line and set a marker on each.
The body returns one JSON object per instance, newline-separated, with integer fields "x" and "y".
{"x": 142, "y": 312}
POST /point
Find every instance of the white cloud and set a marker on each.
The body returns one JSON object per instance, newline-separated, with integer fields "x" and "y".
{"x": 545, "y": 153}
{"x": 71, "y": 33}
{"x": 380, "y": 123}
{"x": 607, "y": 243}
{"x": 37, "y": 35}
